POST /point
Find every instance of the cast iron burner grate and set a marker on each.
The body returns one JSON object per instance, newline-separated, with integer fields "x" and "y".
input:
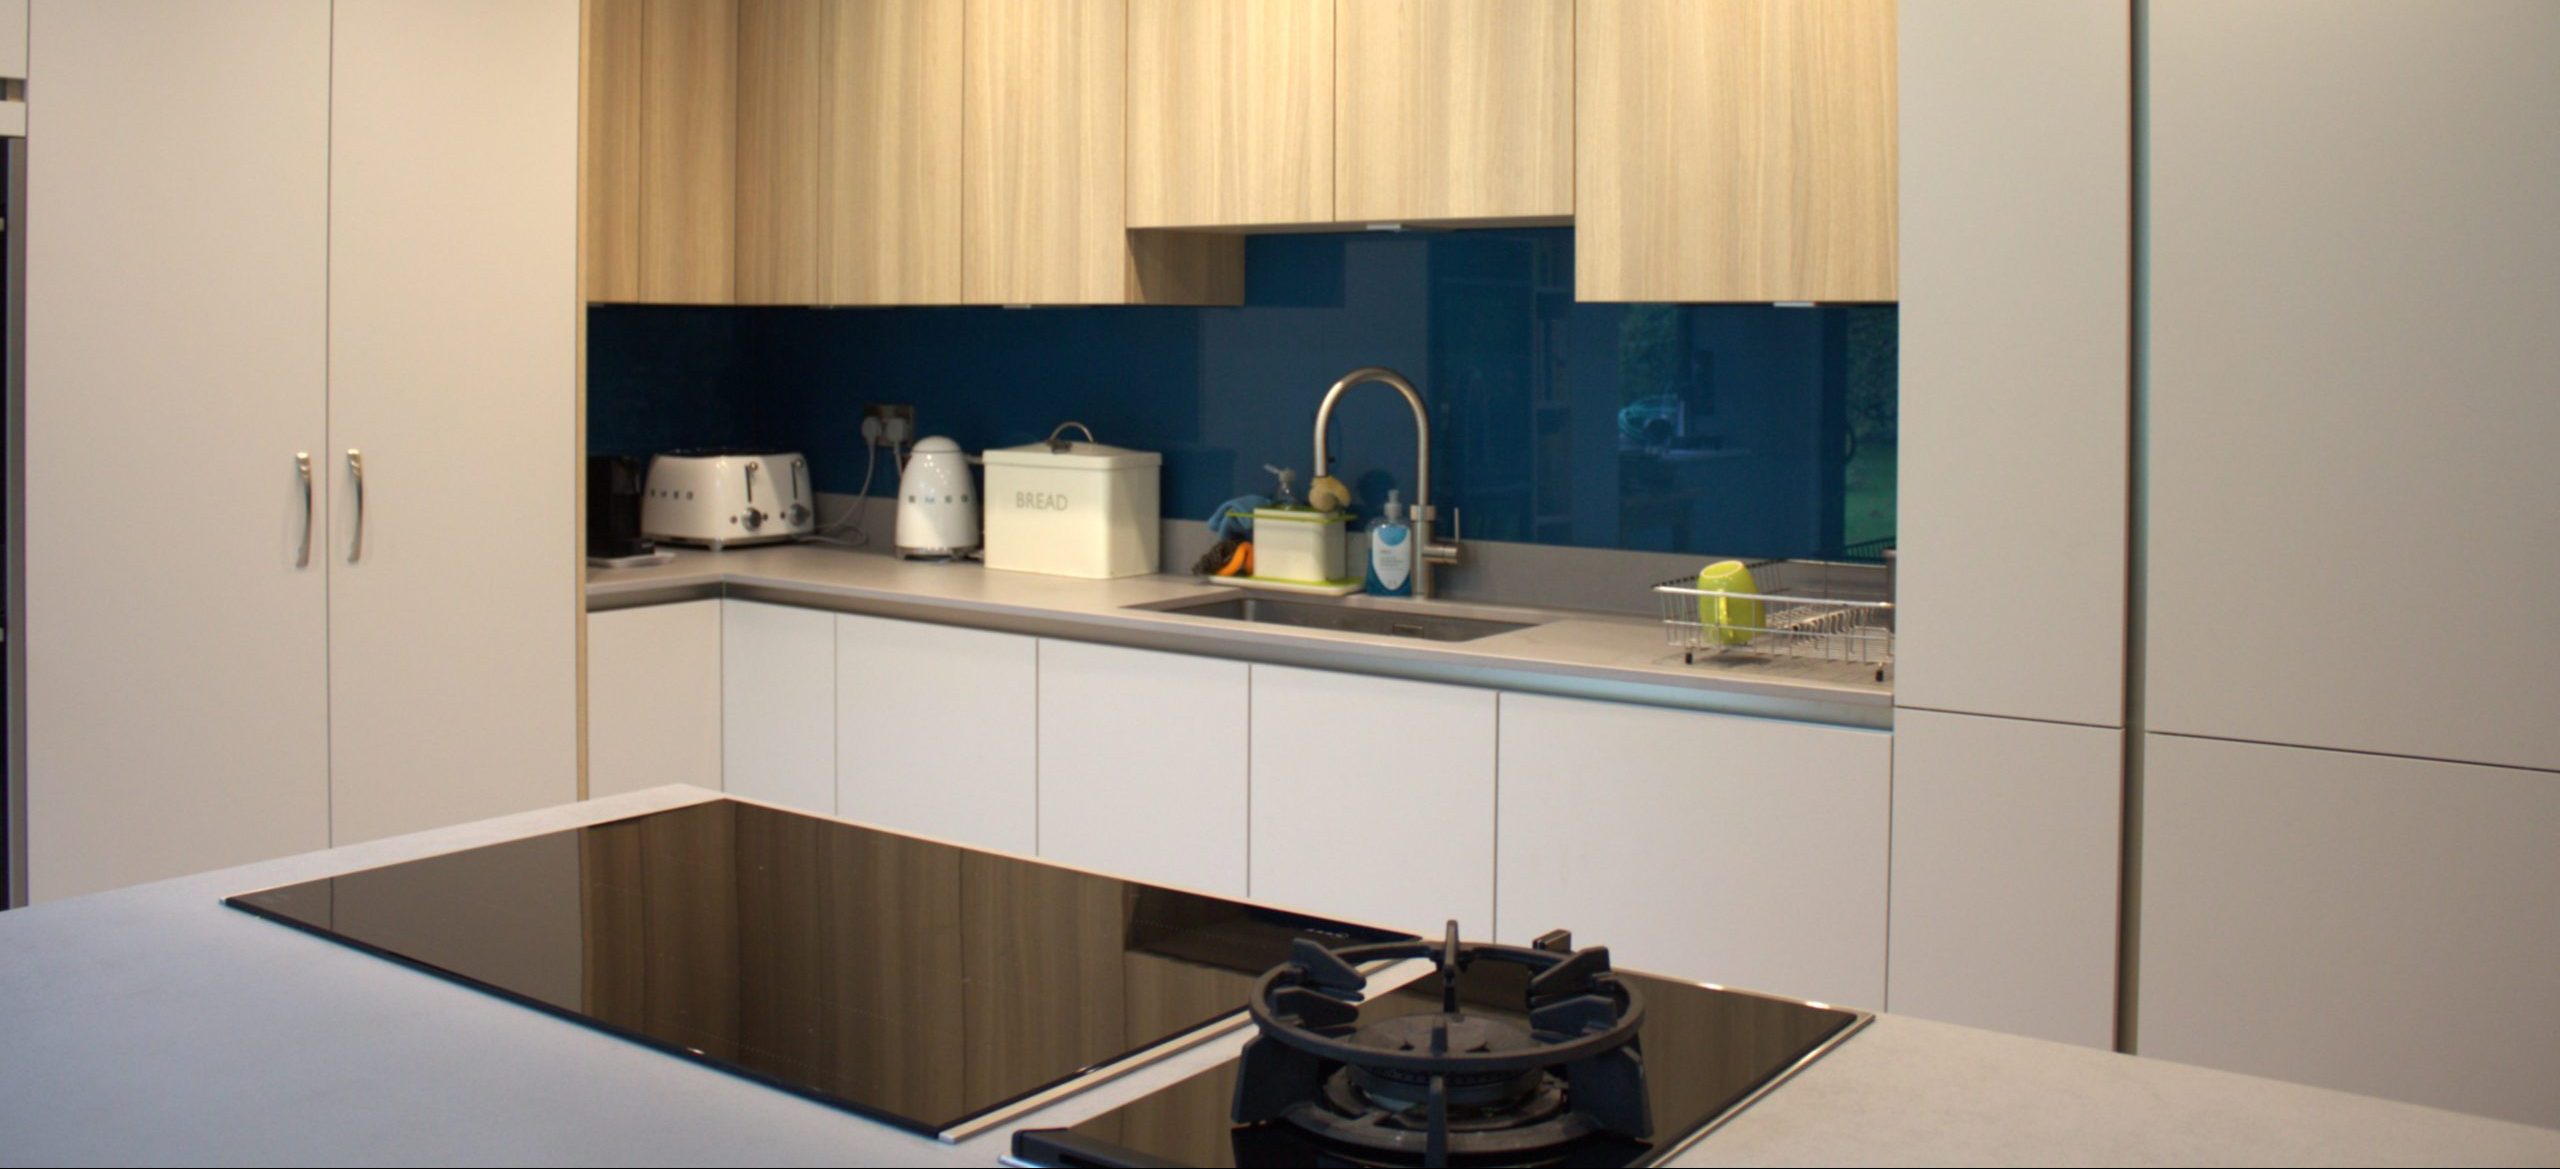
{"x": 1437, "y": 1087}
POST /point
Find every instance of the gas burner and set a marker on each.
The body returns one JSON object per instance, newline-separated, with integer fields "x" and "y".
{"x": 1432, "y": 1087}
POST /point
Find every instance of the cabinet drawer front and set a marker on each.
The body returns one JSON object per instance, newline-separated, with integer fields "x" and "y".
{"x": 653, "y": 697}
{"x": 934, "y": 731}
{"x": 1373, "y": 799}
{"x": 1142, "y": 764}
{"x": 778, "y": 704}
{"x": 1732, "y": 850}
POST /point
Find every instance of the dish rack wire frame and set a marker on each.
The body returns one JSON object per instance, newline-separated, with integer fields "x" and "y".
{"x": 1800, "y": 618}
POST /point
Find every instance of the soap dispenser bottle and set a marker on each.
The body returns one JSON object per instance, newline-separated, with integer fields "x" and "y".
{"x": 1391, "y": 552}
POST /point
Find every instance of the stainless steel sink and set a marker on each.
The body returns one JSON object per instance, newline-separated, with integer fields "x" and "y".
{"x": 1344, "y": 616}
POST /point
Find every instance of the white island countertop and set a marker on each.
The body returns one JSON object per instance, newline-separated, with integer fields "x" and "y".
{"x": 1591, "y": 655}
{"x": 154, "y": 1024}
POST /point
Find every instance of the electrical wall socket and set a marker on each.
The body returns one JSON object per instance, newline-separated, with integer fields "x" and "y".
{"x": 889, "y": 423}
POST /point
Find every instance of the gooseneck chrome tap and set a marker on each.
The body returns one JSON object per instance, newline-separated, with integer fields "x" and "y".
{"x": 1422, "y": 516}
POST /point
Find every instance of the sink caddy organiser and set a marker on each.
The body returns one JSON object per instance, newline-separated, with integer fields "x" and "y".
{"x": 1807, "y": 611}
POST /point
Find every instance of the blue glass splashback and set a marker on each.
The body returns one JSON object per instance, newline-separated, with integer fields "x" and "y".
{"x": 1734, "y": 429}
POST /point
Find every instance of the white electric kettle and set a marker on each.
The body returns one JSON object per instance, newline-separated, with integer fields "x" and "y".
{"x": 937, "y": 502}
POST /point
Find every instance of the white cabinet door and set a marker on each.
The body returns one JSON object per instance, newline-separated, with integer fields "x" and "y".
{"x": 934, "y": 731}
{"x": 177, "y": 327}
{"x": 653, "y": 697}
{"x": 2006, "y": 854}
{"x": 2354, "y": 504}
{"x": 1373, "y": 799}
{"x": 2362, "y": 922}
{"x": 1739, "y": 851}
{"x": 778, "y": 704}
{"x": 1142, "y": 764}
{"x": 452, "y": 348}
{"x": 2016, "y": 324}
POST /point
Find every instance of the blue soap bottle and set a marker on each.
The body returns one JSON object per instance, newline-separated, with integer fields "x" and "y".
{"x": 1391, "y": 552}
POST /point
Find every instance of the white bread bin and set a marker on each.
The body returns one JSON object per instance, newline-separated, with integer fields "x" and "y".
{"x": 1073, "y": 508}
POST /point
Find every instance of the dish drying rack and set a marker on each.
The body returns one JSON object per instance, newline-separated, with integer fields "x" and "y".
{"x": 1800, "y": 618}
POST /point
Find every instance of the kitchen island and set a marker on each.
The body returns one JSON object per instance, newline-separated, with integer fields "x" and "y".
{"x": 153, "y": 1024}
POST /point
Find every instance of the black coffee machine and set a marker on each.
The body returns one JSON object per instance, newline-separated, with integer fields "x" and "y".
{"x": 614, "y": 484}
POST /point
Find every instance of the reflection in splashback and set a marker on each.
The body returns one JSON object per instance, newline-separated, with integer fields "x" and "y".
{"x": 1735, "y": 429}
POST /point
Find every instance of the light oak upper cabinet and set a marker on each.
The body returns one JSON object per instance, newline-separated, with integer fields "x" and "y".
{"x": 661, "y": 129}
{"x": 849, "y": 152}
{"x": 1453, "y": 110}
{"x": 781, "y": 144}
{"x": 1733, "y": 150}
{"x": 1231, "y": 114}
{"x": 1045, "y": 138}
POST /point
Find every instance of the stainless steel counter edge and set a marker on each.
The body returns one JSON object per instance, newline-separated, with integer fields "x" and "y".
{"x": 1703, "y": 688}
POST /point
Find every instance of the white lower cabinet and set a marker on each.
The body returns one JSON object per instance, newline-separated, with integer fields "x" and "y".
{"x": 1739, "y": 851}
{"x": 778, "y": 704}
{"x": 2007, "y": 847}
{"x": 1142, "y": 764}
{"x": 1373, "y": 799}
{"x": 935, "y": 731}
{"x": 653, "y": 697}
{"x": 2364, "y": 922}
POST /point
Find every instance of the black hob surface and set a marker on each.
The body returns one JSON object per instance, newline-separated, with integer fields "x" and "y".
{"x": 916, "y": 983}
{"x": 1706, "y": 1053}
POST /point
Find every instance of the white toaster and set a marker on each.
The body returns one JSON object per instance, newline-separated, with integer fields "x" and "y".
{"x": 723, "y": 497}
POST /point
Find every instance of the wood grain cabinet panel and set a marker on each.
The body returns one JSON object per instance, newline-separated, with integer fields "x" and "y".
{"x": 1231, "y": 115}
{"x": 848, "y": 152}
{"x": 659, "y": 161}
{"x": 889, "y": 222}
{"x": 1045, "y": 144}
{"x": 783, "y": 59}
{"x": 1734, "y": 150}
{"x": 1453, "y": 109}
{"x": 609, "y": 150}
{"x": 688, "y": 151}
{"x": 1044, "y": 136}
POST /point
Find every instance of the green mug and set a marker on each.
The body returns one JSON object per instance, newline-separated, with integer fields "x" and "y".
{"x": 1729, "y": 620}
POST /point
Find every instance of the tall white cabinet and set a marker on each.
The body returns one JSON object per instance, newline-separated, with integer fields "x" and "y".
{"x": 2349, "y": 810}
{"x": 453, "y": 182}
{"x": 263, "y": 232}
{"x": 2016, "y": 446}
{"x": 177, "y": 638}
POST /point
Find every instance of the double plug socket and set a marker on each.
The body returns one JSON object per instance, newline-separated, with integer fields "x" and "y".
{"x": 888, "y": 425}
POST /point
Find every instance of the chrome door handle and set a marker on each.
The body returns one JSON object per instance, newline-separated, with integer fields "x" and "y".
{"x": 355, "y": 467}
{"x": 302, "y": 466}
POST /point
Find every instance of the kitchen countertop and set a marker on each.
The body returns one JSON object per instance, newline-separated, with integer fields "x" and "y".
{"x": 1590, "y": 655}
{"x": 153, "y": 1024}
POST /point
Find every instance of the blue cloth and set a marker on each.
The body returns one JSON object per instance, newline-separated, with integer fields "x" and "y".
{"x": 1235, "y": 516}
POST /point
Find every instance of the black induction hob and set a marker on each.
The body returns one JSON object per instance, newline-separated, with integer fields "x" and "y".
{"x": 925, "y": 985}
{"x": 1664, "y": 1062}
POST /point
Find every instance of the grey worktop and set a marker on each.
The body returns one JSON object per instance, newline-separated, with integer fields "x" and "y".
{"x": 1577, "y": 654}
{"x": 152, "y": 1024}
